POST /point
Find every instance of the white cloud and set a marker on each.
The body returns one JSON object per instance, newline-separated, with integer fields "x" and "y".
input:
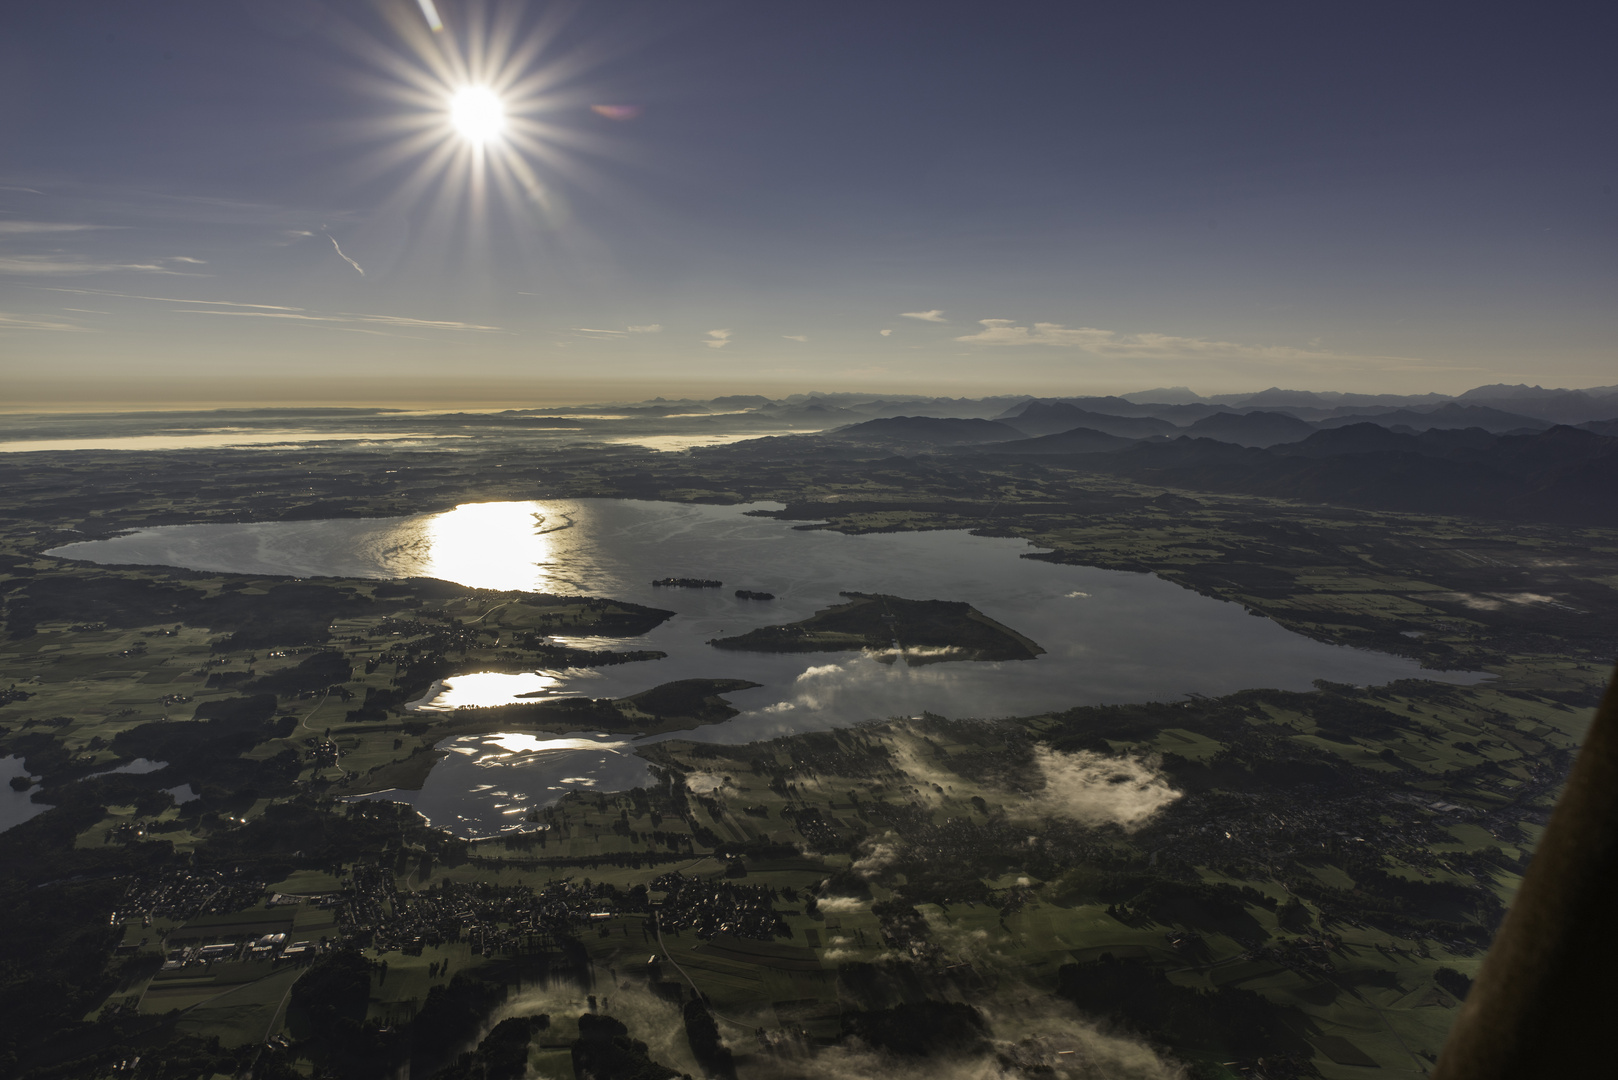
{"x": 796, "y": 337}
{"x": 935, "y": 315}
{"x": 875, "y": 857}
{"x": 33, "y": 322}
{"x": 717, "y": 339}
{"x": 841, "y": 905}
{"x": 1147, "y": 346}
{"x": 186, "y": 259}
{"x": 885, "y": 333}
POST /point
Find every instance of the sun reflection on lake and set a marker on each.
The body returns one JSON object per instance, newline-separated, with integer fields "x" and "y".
{"x": 501, "y": 545}
{"x": 485, "y": 688}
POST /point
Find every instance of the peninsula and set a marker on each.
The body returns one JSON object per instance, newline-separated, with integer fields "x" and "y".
{"x": 923, "y": 631}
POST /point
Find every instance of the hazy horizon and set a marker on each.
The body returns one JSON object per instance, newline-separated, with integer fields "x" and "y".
{"x": 163, "y": 396}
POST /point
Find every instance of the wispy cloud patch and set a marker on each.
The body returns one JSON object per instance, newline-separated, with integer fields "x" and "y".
{"x": 796, "y": 337}
{"x": 1147, "y": 346}
{"x": 885, "y": 333}
{"x": 717, "y": 339}
{"x": 649, "y": 328}
{"x": 935, "y": 315}
{"x": 186, "y": 259}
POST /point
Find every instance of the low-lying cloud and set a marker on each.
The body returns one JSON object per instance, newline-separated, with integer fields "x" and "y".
{"x": 1041, "y": 1037}
{"x": 1094, "y": 789}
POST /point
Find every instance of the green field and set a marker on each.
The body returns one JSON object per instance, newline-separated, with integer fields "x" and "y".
{"x": 1327, "y": 867}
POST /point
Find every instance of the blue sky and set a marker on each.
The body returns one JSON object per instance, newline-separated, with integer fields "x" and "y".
{"x": 941, "y": 197}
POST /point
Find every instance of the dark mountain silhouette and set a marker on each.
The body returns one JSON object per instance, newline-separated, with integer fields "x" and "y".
{"x": 1177, "y": 414}
{"x": 1369, "y": 438}
{"x": 1563, "y": 475}
{"x": 814, "y": 413}
{"x": 1166, "y": 395}
{"x": 1078, "y": 441}
{"x": 927, "y": 430}
{"x": 1277, "y": 398}
{"x": 1252, "y": 429}
{"x": 1448, "y": 415}
{"x": 1050, "y": 418}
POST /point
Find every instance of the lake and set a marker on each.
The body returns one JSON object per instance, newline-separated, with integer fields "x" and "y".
{"x": 1110, "y": 636}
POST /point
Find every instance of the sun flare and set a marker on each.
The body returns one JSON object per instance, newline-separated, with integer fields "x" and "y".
{"x": 477, "y": 113}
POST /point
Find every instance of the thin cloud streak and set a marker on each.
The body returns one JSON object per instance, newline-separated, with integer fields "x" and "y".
{"x": 166, "y": 299}
{"x": 717, "y": 339}
{"x": 33, "y": 322}
{"x": 350, "y": 317}
{"x": 278, "y": 310}
{"x": 935, "y": 315}
{"x": 649, "y": 328}
{"x": 345, "y": 258}
{"x": 15, "y": 227}
{"x": 59, "y": 265}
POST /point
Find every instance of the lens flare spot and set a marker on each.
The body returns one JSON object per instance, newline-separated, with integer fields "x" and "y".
{"x": 617, "y": 112}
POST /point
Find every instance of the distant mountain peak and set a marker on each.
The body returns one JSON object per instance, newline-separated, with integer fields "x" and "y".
{"x": 1165, "y": 395}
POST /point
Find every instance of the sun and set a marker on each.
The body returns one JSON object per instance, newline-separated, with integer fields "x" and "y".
{"x": 477, "y": 113}
{"x": 478, "y": 128}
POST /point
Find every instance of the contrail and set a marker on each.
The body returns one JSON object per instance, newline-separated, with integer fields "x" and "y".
{"x": 345, "y": 258}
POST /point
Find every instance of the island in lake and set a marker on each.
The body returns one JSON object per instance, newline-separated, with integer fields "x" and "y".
{"x": 924, "y": 631}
